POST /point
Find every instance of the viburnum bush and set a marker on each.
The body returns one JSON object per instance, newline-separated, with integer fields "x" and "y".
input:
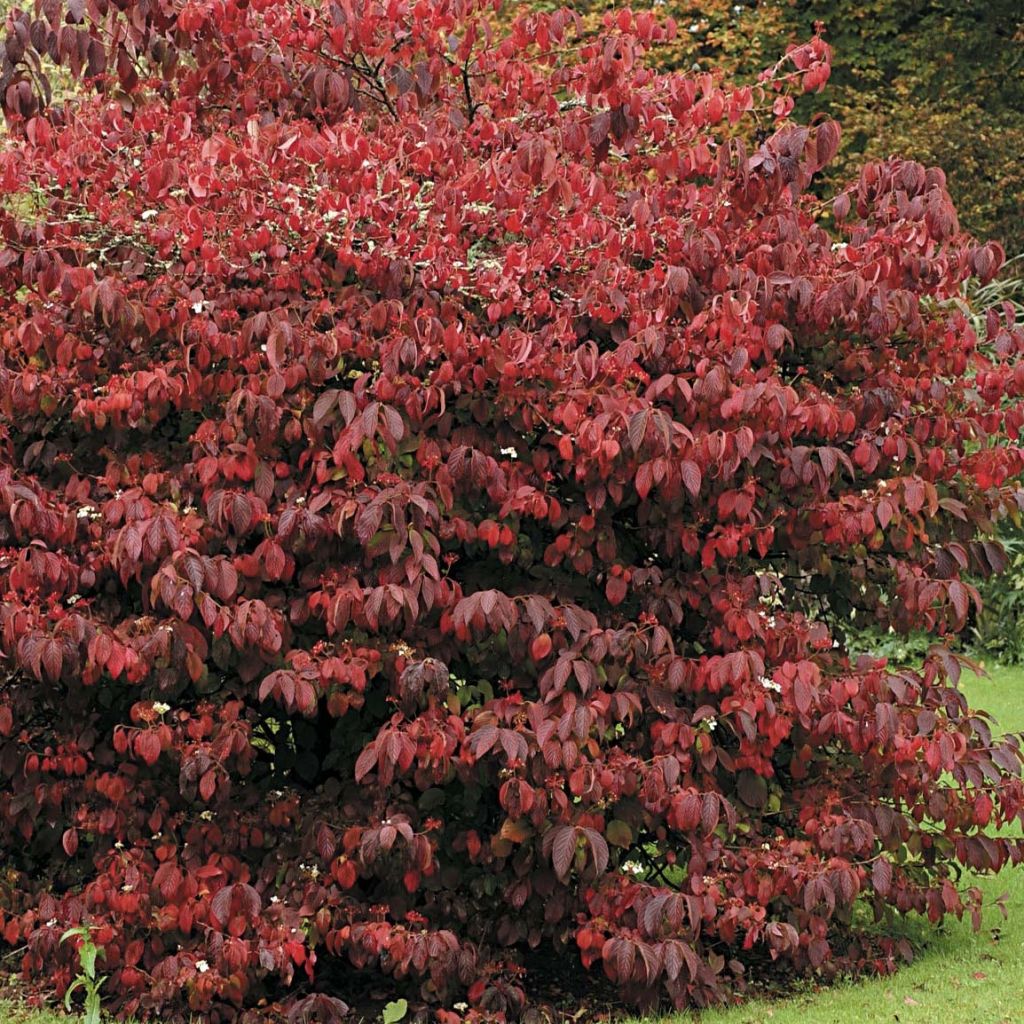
{"x": 437, "y": 471}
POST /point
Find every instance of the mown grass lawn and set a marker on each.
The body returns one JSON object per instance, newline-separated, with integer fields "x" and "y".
{"x": 960, "y": 977}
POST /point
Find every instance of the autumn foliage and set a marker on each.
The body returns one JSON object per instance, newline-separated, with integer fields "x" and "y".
{"x": 437, "y": 472}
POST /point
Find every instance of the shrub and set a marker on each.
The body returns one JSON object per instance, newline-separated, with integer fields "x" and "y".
{"x": 435, "y": 471}
{"x": 908, "y": 76}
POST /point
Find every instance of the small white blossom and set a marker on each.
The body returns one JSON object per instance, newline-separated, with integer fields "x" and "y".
{"x": 460, "y": 1006}
{"x": 127, "y": 888}
{"x": 52, "y": 923}
{"x": 770, "y": 684}
{"x": 161, "y": 708}
{"x": 632, "y": 867}
{"x": 712, "y": 723}
{"x": 148, "y": 214}
{"x": 85, "y": 512}
{"x": 206, "y": 816}
{"x": 202, "y": 966}
{"x": 74, "y": 599}
{"x": 197, "y": 307}
{"x": 119, "y": 845}
{"x": 510, "y": 452}
{"x": 275, "y": 899}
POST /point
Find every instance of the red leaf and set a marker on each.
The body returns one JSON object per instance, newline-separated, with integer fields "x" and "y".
{"x": 881, "y": 876}
{"x": 616, "y": 590}
{"x": 208, "y": 785}
{"x": 691, "y": 477}
{"x": 563, "y": 850}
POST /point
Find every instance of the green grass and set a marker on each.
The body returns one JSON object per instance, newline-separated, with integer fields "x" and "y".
{"x": 962, "y": 977}
{"x": 13, "y": 1013}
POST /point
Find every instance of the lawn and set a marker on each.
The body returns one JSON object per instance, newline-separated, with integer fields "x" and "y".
{"x": 962, "y": 977}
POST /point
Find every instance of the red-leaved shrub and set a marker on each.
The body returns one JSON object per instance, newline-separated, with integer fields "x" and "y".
{"x": 436, "y": 472}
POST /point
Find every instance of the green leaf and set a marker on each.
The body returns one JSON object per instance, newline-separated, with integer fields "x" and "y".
{"x": 395, "y": 1011}
{"x": 618, "y": 833}
{"x": 76, "y": 984}
{"x": 92, "y": 1008}
{"x": 87, "y": 957}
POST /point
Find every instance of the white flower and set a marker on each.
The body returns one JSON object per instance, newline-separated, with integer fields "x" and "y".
{"x": 460, "y": 1006}
{"x": 712, "y": 723}
{"x": 148, "y": 214}
{"x": 275, "y": 899}
{"x": 161, "y": 708}
{"x": 510, "y": 452}
{"x": 632, "y": 867}
{"x": 202, "y": 966}
{"x": 119, "y": 845}
{"x": 206, "y": 816}
{"x": 52, "y": 923}
{"x": 770, "y": 684}
{"x": 85, "y": 512}
{"x": 197, "y": 307}
{"x": 127, "y": 888}
{"x": 74, "y": 599}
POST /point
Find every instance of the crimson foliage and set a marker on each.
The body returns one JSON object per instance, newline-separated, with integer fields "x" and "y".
{"x": 436, "y": 471}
